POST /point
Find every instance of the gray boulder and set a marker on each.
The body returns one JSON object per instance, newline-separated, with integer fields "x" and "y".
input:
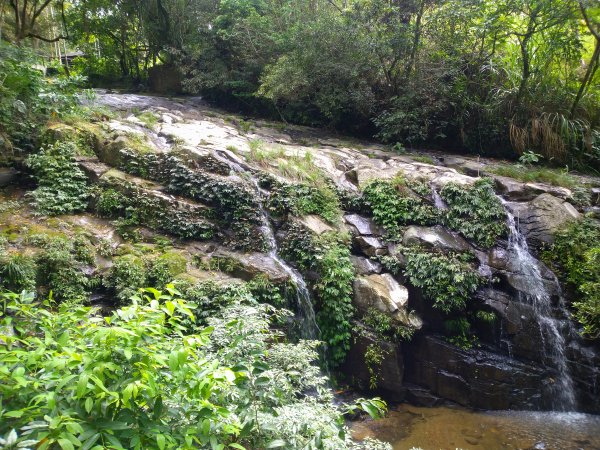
{"x": 434, "y": 237}
{"x": 543, "y": 216}
{"x": 370, "y": 246}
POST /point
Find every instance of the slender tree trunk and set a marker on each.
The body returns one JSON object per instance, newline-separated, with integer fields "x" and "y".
{"x": 416, "y": 40}
{"x": 587, "y": 77}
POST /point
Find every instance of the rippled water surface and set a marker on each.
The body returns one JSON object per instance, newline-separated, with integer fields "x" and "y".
{"x": 448, "y": 429}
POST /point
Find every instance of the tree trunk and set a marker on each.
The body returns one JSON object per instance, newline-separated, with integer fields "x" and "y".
{"x": 587, "y": 77}
{"x": 416, "y": 40}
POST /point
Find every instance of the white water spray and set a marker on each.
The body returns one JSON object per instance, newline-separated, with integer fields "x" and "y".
{"x": 554, "y": 342}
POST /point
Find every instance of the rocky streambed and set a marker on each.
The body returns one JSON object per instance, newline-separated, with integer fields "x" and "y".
{"x": 213, "y": 183}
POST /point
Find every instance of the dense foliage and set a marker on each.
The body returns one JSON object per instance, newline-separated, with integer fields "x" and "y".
{"x": 448, "y": 280}
{"x": 27, "y": 98}
{"x": 488, "y": 77}
{"x": 303, "y": 199}
{"x": 575, "y": 255}
{"x": 393, "y": 204}
{"x": 147, "y": 377}
{"x": 62, "y": 185}
{"x": 53, "y": 264}
{"x": 475, "y": 211}
{"x": 328, "y": 256}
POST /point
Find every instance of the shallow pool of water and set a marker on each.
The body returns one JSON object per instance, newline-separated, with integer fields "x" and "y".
{"x": 445, "y": 428}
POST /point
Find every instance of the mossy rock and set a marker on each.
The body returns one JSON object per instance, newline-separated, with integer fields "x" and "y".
{"x": 175, "y": 261}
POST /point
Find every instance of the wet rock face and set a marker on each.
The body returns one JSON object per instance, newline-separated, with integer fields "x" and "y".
{"x": 543, "y": 216}
{"x": 434, "y": 237}
{"x": 365, "y": 266}
{"x": 370, "y": 246}
{"x": 474, "y": 378}
{"x": 389, "y": 374}
{"x": 509, "y": 374}
{"x": 363, "y": 226}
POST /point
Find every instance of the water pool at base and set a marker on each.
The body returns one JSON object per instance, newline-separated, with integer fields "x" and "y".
{"x": 445, "y": 428}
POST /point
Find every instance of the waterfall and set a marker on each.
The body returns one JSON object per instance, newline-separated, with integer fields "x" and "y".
{"x": 309, "y": 328}
{"x": 554, "y": 342}
{"x": 438, "y": 201}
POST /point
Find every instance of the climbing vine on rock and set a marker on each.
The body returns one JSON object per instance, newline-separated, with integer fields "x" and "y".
{"x": 62, "y": 185}
{"x": 303, "y": 199}
{"x": 448, "y": 280}
{"x": 393, "y": 205}
{"x": 238, "y": 210}
{"x": 575, "y": 256}
{"x": 328, "y": 256}
{"x": 475, "y": 211}
{"x": 134, "y": 206}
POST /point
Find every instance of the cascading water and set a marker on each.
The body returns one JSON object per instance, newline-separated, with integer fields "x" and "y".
{"x": 554, "y": 342}
{"x": 438, "y": 201}
{"x": 309, "y": 328}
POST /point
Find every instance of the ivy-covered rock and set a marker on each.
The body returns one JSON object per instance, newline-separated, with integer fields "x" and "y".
{"x": 394, "y": 205}
{"x": 62, "y": 185}
{"x": 475, "y": 212}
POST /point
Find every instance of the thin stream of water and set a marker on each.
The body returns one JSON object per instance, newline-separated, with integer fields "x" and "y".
{"x": 554, "y": 342}
{"x": 309, "y": 328}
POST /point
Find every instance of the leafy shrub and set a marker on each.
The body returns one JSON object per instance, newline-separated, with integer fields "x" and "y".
{"x": 459, "y": 333}
{"x": 17, "y": 272}
{"x": 133, "y": 380}
{"x": 264, "y": 291}
{"x": 475, "y": 211}
{"x": 384, "y": 326}
{"x": 334, "y": 293}
{"x": 446, "y": 279}
{"x": 485, "y": 316}
{"x": 126, "y": 276}
{"x": 209, "y": 297}
{"x": 302, "y": 199}
{"x": 575, "y": 256}
{"x": 111, "y": 203}
{"x": 393, "y": 205}
{"x": 165, "y": 268}
{"x": 60, "y": 271}
{"x": 27, "y": 99}
{"x": 374, "y": 356}
{"x": 62, "y": 185}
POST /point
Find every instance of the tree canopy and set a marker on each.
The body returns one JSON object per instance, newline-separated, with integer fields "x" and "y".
{"x": 487, "y": 77}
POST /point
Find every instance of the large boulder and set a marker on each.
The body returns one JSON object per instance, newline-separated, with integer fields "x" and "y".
{"x": 543, "y": 216}
{"x": 365, "y": 266}
{"x": 434, "y": 237}
{"x": 385, "y": 294}
{"x": 516, "y": 191}
{"x": 370, "y": 246}
{"x": 315, "y": 224}
{"x": 364, "y": 226}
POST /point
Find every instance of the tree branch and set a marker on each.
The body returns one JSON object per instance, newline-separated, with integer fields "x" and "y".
{"x": 41, "y": 38}
{"x": 588, "y": 22}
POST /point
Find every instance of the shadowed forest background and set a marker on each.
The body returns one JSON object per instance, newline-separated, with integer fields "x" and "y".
{"x": 495, "y": 78}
